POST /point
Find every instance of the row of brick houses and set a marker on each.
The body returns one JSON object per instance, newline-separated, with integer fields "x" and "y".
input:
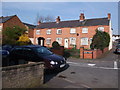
{"x": 71, "y": 33}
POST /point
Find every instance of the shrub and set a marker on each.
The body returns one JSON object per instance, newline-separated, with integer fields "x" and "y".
{"x": 55, "y": 44}
{"x": 72, "y": 53}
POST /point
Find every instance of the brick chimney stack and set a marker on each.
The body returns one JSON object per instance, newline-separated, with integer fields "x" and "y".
{"x": 58, "y": 19}
{"x": 82, "y": 17}
{"x": 109, "y": 16}
{"x": 39, "y": 22}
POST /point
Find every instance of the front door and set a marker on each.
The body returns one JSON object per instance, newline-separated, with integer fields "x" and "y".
{"x": 66, "y": 43}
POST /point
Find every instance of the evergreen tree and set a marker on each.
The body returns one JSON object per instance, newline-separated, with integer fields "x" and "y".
{"x": 100, "y": 40}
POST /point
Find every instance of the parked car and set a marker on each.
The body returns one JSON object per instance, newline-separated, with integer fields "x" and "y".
{"x": 117, "y": 50}
{"x": 7, "y": 47}
{"x": 36, "y": 53}
{"x": 4, "y": 54}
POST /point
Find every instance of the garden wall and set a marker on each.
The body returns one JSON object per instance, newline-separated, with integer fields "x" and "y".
{"x": 91, "y": 54}
{"x": 58, "y": 51}
{"x": 23, "y": 76}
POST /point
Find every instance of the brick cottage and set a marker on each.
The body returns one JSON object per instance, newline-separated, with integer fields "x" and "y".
{"x": 12, "y": 21}
{"x": 71, "y": 33}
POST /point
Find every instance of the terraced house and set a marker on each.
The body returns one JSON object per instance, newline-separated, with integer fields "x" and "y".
{"x": 73, "y": 33}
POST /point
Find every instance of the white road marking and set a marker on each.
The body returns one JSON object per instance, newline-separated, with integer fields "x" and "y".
{"x": 92, "y": 65}
{"x": 115, "y": 65}
{"x": 89, "y": 65}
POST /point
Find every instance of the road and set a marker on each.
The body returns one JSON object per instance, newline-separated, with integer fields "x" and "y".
{"x": 99, "y": 73}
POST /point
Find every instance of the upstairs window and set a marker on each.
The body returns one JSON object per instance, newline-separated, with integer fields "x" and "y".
{"x": 84, "y": 30}
{"x": 101, "y": 29}
{"x": 48, "y": 41}
{"x": 38, "y": 32}
{"x": 73, "y": 41}
{"x": 0, "y": 28}
{"x": 72, "y": 30}
{"x": 59, "y": 40}
{"x": 48, "y": 31}
{"x": 59, "y": 31}
{"x": 84, "y": 41}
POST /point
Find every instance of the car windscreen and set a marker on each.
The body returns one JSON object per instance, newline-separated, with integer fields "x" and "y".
{"x": 43, "y": 51}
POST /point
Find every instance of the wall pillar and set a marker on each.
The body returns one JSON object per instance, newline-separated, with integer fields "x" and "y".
{"x": 82, "y": 52}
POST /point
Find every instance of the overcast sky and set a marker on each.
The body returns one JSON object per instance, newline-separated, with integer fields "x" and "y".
{"x": 27, "y": 11}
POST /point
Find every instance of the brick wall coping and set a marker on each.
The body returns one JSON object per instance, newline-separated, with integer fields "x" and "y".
{"x": 21, "y": 66}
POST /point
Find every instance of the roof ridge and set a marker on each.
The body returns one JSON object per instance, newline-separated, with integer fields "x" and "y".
{"x": 28, "y": 24}
{"x": 74, "y": 20}
{"x": 7, "y": 16}
{"x": 96, "y": 18}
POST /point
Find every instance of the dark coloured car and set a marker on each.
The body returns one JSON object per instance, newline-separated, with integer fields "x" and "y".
{"x": 4, "y": 54}
{"x": 7, "y": 47}
{"x": 36, "y": 53}
{"x": 117, "y": 50}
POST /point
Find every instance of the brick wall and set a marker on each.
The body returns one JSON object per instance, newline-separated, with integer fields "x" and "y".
{"x": 23, "y": 76}
{"x": 59, "y": 51}
{"x": 91, "y": 54}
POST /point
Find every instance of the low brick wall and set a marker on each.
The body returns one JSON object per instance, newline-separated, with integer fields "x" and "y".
{"x": 57, "y": 51}
{"x": 99, "y": 53}
{"x": 91, "y": 54}
{"x": 23, "y": 76}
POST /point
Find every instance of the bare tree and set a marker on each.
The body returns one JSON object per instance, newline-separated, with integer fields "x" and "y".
{"x": 42, "y": 18}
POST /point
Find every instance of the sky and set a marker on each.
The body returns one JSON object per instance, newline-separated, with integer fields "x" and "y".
{"x": 28, "y": 11}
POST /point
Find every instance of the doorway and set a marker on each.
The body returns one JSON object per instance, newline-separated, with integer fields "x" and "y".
{"x": 66, "y": 43}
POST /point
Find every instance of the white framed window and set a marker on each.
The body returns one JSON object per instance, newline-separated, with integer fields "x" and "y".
{"x": 48, "y": 41}
{"x": 0, "y": 28}
{"x": 59, "y": 40}
{"x": 59, "y": 31}
{"x": 100, "y": 28}
{"x": 84, "y": 41}
{"x": 38, "y": 32}
{"x": 72, "y": 30}
{"x": 90, "y": 40}
{"x": 48, "y": 31}
{"x": 84, "y": 30}
{"x": 72, "y": 40}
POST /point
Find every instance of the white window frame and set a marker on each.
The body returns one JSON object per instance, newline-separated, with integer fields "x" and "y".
{"x": 83, "y": 42}
{"x": 59, "y": 40}
{"x": 84, "y": 30}
{"x": 48, "y": 41}
{"x": 37, "y": 32}
{"x": 48, "y": 31}
{"x": 101, "y": 29}
{"x": 72, "y": 41}
{"x": 59, "y": 31}
{"x": 72, "y": 30}
{"x": 91, "y": 40}
{"x": 0, "y": 28}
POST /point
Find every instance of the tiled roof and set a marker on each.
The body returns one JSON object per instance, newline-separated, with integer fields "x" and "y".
{"x": 30, "y": 25}
{"x": 4, "y": 19}
{"x": 74, "y": 23}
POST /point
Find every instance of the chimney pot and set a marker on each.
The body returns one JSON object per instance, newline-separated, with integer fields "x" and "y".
{"x": 82, "y": 17}
{"x": 109, "y": 16}
{"x": 39, "y": 22}
{"x": 58, "y": 19}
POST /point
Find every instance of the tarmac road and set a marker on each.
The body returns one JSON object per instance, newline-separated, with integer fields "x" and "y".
{"x": 98, "y": 73}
